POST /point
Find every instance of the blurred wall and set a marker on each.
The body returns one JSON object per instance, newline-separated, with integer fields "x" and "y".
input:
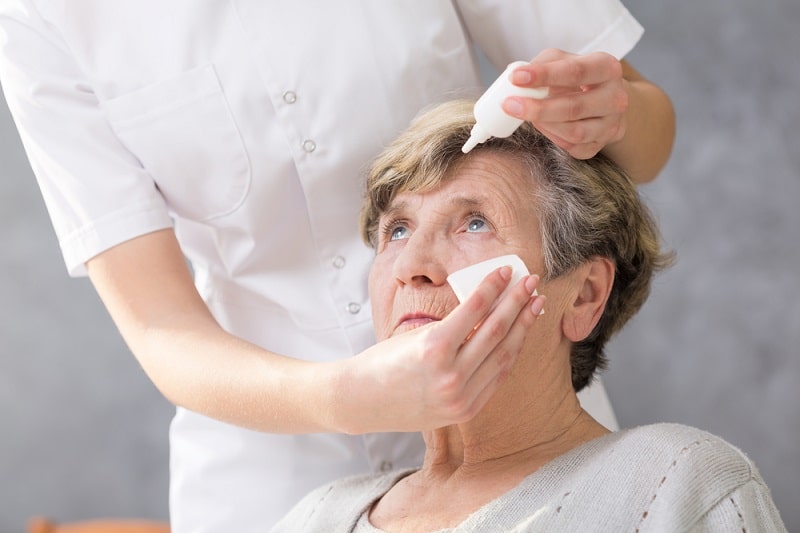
{"x": 718, "y": 344}
{"x": 83, "y": 433}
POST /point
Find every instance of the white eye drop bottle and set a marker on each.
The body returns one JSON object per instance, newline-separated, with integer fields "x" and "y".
{"x": 490, "y": 119}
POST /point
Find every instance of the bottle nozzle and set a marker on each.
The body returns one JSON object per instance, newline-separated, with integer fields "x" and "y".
{"x": 476, "y": 136}
{"x": 490, "y": 119}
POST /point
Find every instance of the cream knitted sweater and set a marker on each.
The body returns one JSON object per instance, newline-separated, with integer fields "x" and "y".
{"x": 663, "y": 477}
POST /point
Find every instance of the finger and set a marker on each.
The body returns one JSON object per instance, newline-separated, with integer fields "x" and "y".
{"x": 496, "y": 326}
{"x": 568, "y": 70}
{"x": 495, "y": 369}
{"x": 583, "y": 139}
{"x": 602, "y": 100}
{"x": 463, "y": 320}
{"x": 551, "y": 54}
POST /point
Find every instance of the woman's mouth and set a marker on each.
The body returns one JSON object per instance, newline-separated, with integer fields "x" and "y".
{"x": 414, "y": 320}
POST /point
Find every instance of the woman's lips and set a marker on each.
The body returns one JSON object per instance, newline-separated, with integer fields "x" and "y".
{"x": 414, "y": 320}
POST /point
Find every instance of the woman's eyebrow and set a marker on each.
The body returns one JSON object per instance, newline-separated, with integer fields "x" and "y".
{"x": 467, "y": 202}
{"x": 459, "y": 201}
{"x": 394, "y": 208}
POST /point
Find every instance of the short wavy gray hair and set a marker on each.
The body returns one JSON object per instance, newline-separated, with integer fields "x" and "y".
{"x": 587, "y": 208}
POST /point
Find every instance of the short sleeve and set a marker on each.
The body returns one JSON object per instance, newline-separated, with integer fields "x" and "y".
{"x": 518, "y": 30}
{"x": 96, "y": 192}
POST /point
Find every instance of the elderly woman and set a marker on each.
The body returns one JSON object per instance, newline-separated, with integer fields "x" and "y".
{"x": 532, "y": 459}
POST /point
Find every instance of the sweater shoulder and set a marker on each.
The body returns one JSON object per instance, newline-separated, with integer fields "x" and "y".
{"x": 689, "y": 471}
{"x": 682, "y": 440}
{"x": 683, "y": 449}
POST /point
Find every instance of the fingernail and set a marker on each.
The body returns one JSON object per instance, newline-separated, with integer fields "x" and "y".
{"x": 537, "y": 307}
{"x": 521, "y": 77}
{"x": 531, "y": 283}
{"x": 505, "y": 272}
{"x": 513, "y": 107}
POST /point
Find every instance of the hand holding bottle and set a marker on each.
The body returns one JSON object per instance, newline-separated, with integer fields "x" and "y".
{"x": 587, "y": 102}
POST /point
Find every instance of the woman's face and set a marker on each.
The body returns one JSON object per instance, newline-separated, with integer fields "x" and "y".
{"x": 483, "y": 209}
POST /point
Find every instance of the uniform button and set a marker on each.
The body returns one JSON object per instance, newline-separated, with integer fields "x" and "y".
{"x": 353, "y": 308}
{"x": 386, "y": 466}
{"x": 309, "y": 145}
{"x": 289, "y": 97}
{"x": 338, "y": 262}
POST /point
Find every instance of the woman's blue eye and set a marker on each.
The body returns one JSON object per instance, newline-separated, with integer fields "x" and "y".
{"x": 399, "y": 232}
{"x": 476, "y": 224}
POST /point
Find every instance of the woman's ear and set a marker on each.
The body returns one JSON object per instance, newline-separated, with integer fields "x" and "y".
{"x": 593, "y": 284}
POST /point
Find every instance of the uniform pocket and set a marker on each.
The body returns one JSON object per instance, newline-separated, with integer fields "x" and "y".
{"x": 183, "y": 133}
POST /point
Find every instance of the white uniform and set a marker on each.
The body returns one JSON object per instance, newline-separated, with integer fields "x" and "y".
{"x": 248, "y": 125}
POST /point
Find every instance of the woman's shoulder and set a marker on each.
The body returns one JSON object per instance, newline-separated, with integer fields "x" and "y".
{"x": 680, "y": 439}
{"x": 657, "y": 451}
{"x": 667, "y": 432}
{"x": 681, "y": 448}
{"x": 680, "y": 464}
{"x": 660, "y": 477}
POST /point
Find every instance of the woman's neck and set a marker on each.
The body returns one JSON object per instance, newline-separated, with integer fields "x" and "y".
{"x": 527, "y": 436}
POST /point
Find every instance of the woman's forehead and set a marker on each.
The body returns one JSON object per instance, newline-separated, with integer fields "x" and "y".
{"x": 477, "y": 181}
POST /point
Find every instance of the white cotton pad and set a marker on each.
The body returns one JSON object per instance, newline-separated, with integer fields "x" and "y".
{"x": 465, "y": 280}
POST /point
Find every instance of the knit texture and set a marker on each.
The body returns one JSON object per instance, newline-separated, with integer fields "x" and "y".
{"x": 662, "y": 477}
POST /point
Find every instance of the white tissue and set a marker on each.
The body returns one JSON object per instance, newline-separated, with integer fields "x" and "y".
{"x": 465, "y": 280}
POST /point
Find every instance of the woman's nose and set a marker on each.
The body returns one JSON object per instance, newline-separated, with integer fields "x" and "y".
{"x": 421, "y": 261}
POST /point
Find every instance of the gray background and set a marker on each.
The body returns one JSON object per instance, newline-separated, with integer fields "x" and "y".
{"x": 83, "y": 433}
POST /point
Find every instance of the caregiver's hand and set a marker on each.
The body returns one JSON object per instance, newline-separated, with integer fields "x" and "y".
{"x": 444, "y": 372}
{"x": 587, "y": 104}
